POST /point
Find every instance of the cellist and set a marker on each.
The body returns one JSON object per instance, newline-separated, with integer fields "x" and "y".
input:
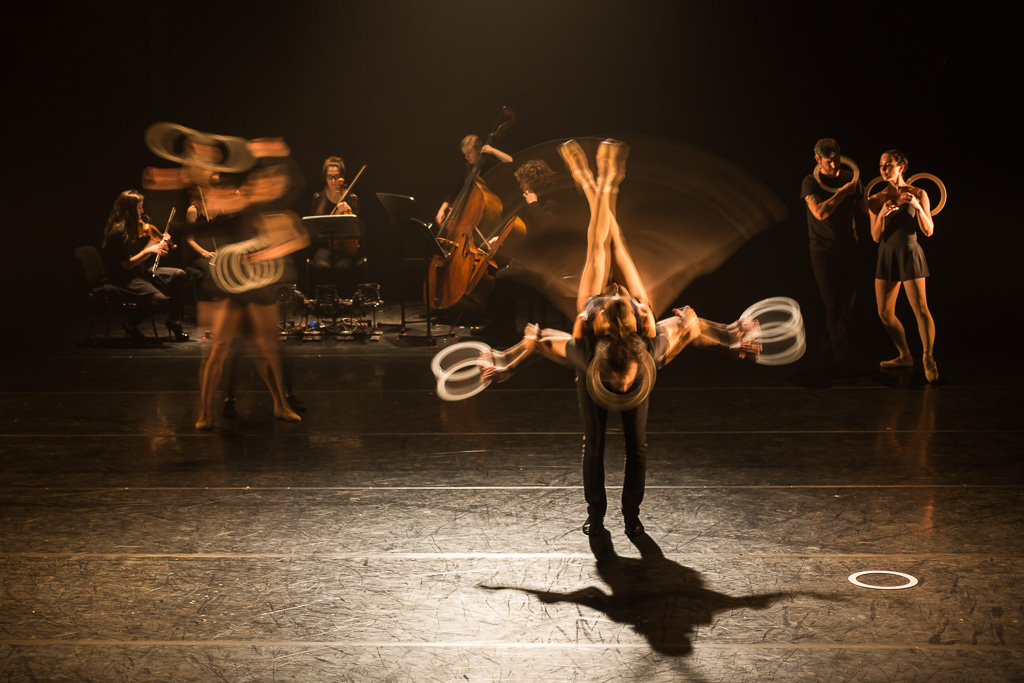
{"x": 472, "y": 147}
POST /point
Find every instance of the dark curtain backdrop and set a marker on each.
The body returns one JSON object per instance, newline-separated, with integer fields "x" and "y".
{"x": 396, "y": 84}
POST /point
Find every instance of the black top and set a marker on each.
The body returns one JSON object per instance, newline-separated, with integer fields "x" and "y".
{"x": 840, "y": 228}
{"x": 900, "y": 226}
{"x": 540, "y": 216}
{"x": 120, "y": 247}
{"x": 322, "y": 206}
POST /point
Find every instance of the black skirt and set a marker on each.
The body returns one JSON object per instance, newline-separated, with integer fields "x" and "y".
{"x": 901, "y": 262}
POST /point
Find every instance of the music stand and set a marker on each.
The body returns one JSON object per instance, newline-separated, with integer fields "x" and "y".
{"x": 330, "y": 228}
{"x": 402, "y": 210}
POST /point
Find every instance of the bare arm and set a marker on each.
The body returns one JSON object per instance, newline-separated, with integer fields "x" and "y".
{"x": 923, "y": 206}
{"x": 285, "y": 234}
{"x": 877, "y": 210}
{"x": 822, "y": 210}
{"x": 154, "y": 247}
{"x": 549, "y": 343}
{"x": 502, "y": 157}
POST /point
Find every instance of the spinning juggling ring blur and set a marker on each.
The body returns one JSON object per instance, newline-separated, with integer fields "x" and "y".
{"x": 611, "y": 400}
{"x": 782, "y": 330}
{"x": 459, "y": 370}
{"x": 232, "y": 273}
{"x": 843, "y": 161}
{"x": 910, "y": 181}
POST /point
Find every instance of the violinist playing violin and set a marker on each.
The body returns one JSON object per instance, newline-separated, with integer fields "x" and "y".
{"x": 472, "y": 147}
{"x": 129, "y": 242}
{"x": 336, "y": 198}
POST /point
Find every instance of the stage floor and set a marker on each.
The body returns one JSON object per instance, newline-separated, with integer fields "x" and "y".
{"x": 392, "y": 536}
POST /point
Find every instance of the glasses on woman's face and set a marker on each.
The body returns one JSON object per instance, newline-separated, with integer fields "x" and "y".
{"x": 333, "y": 177}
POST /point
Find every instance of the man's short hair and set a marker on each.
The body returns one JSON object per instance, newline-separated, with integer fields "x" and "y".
{"x": 826, "y": 148}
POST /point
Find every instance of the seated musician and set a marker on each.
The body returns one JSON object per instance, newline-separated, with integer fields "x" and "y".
{"x": 472, "y": 147}
{"x": 337, "y": 253}
{"x": 535, "y": 178}
{"x": 128, "y": 247}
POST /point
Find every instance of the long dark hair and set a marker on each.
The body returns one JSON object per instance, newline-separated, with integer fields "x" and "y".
{"x": 615, "y": 355}
{"x": 123, "y": 216}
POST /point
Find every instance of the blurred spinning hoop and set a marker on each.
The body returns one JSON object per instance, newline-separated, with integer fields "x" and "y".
{"x": 463, "y": 379}
{"x": 843, "y": 161}
{"x": 611, "y": 400}
{"x": 782, "y": 330}
{"x": 910, "y": 181}
{"x": 457, "y": 353}
{"x": 233, "y": 274}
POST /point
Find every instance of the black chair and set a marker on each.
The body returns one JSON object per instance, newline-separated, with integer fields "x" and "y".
{"x": 101, "y": 293}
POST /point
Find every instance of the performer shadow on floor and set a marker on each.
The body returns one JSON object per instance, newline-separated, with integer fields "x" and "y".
{"x": 662, "y": 600}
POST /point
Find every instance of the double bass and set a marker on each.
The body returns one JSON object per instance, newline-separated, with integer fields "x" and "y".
{"x": 464, "y": 270}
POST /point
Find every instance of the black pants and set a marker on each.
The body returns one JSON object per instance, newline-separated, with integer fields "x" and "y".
{"x": 836, "y": 274}
{"x": 634, "y": 427}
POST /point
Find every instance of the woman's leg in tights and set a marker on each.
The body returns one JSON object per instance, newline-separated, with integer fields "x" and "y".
{"x": 264, "y": 327}
{"x": 597, "y": 264}
{"x": 226, "y": 324}
{"x": 885, "y": 297}
{"x": 918, "y": 298}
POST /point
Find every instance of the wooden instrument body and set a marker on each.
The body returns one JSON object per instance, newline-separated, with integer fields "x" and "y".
{"x": 452, "y": 278}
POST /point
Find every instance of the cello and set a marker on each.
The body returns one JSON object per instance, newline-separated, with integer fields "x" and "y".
{"x": 463, "y": 271}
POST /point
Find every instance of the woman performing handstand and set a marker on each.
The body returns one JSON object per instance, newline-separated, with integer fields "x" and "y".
{"x": 615, "y": 346}
{"x": 897, "y": 213}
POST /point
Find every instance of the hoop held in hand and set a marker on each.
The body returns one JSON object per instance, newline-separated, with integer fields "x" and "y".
{"x": 843, "y": 161}
{"x": 233, "y": 274}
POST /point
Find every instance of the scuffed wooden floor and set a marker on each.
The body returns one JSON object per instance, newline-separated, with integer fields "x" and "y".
{"x": 394, "y": 537}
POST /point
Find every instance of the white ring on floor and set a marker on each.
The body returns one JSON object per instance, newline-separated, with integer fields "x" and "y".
{"x": 458, "y": 373}
{"x": 910, "y": 579}
{"x": 474, "y": 347}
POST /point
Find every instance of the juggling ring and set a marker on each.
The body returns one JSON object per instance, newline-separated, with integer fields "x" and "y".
{"x": 910, "y": 181}
{"x": 911, "y": 581}
{"x": 233, "y": 275}
{"x": 778, "y": 331}
{"x": 847, "y": 161}
{"x": 457, "y": 372}
{"x": 622, "y": 402}
{"x": 443, "y": 354}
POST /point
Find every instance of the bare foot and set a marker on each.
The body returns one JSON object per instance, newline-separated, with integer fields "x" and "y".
{"x": 898, "y": 362}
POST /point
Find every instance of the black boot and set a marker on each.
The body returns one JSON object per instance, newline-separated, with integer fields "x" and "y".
{"x": 593, "y": 525}
{"x": 634, "y": 527}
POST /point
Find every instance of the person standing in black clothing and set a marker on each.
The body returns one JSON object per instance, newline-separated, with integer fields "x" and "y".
{"x": 831, "y": 226}
{"x": 898, "y": 213}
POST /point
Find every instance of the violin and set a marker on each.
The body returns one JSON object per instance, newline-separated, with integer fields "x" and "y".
{"x": 152, "y": 232}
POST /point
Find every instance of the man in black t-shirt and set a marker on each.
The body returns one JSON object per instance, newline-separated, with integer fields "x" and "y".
{"x": 831, "y": 226}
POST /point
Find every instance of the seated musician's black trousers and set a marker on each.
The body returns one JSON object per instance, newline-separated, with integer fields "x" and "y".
{"x": 634, "y": 427}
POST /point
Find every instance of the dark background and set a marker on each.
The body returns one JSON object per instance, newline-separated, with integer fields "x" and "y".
{"x": 395, "y": 85}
